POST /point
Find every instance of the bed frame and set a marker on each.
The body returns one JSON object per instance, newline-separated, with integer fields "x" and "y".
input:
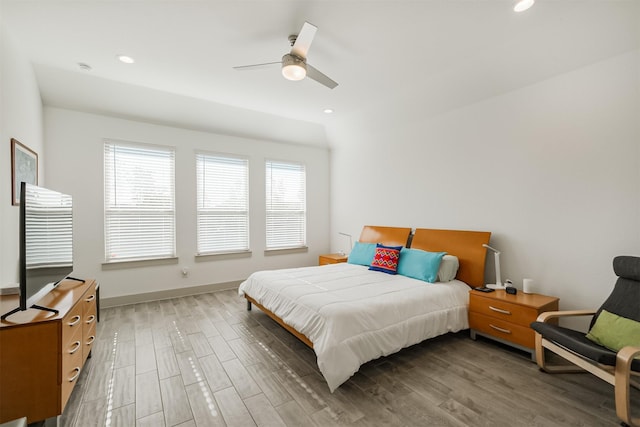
{"x": 466, "y": 245}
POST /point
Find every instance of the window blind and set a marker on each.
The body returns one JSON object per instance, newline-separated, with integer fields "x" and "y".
{"x": 49, "y": 219}
{"x": 223, "y": 203}
{"x": 286, "y": 212}
{"x": 139, "y": 204}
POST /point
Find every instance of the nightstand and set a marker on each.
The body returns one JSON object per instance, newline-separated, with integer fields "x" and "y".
{"x": 331, "y": 259}
{"x": 506, "y": 318}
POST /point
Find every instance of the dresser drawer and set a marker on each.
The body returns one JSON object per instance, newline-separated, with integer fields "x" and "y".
{"x": 71, "y": 323}
{"x": 71, "y": 368}
{"x": 503, "y": 329}
{"x": 90, "y": 317}
{"x": 89, "y": 300}
{"x": 506, "y": 311}
{"x": 88, "y": 337}
{"x": 71, "y": 365}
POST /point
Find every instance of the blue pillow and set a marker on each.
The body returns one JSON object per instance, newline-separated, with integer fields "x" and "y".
{"x": 419, "y": 264}
{"x": 362, "y": 253}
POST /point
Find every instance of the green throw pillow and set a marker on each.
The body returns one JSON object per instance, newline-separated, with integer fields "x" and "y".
{"x": 614, "y": 332}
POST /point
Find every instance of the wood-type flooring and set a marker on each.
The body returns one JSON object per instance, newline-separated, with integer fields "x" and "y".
{"x": 205, "y": 361}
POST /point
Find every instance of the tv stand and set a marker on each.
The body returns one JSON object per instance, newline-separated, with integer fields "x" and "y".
{"x": 9, "y": 313}
{"x": 39, "y": 307}
{"x": 36, "y": 306}
{"x": 42, "y": 354}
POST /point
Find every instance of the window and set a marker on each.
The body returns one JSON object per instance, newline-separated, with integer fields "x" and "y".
{"x": 286, "y": 205}
{"x": 223, "y": 204}
{"x": 139, "y": 202}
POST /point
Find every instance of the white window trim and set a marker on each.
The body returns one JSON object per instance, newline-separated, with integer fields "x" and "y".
{"x": 246, "y": 212}
{"x": 291, "y": 248}
{"x": 170, "y": 255}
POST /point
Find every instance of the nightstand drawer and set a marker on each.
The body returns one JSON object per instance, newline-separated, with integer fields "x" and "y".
{"x": 513, "y": 313}
{"x": 505, "y": 330}
{"x": 331, "y": 259}
{"x": 507, "y": 317}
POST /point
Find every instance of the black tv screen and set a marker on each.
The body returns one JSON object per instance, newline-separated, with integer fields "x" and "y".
{"x": 46, "y": 241}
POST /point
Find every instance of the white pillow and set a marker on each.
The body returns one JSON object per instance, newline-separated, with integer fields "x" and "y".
{"x": 448, "y": 268}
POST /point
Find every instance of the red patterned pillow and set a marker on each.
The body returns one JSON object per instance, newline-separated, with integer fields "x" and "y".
{"x": 386, "y": 259}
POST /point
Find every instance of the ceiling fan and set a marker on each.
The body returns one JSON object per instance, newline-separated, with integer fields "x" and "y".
{"x": 294, "y": 64}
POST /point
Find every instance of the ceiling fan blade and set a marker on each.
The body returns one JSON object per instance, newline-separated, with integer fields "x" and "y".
{"x": 256, "y": 66}
{"x": 316, "y": 75}
{"x": 304, "y": 39}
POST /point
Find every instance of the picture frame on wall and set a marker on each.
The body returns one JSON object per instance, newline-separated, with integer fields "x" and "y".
{"x": 24, "y": 168}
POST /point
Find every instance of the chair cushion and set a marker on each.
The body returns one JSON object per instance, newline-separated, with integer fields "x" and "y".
{"x": 577, "y": 342}
{"x": 624, "y": 299}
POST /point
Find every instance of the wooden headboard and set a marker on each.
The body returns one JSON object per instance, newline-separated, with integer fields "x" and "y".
{"x": 392, "y": 236}
{"x": 466, "y": 245}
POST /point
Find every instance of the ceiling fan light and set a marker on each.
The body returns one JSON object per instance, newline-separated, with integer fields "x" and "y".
{"x": 523, "y": 5}
{"x": 294, "y": 72}
{"x": 293, "y": 68}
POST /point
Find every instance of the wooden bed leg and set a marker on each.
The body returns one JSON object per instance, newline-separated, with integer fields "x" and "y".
{"x": 248, "y": 305}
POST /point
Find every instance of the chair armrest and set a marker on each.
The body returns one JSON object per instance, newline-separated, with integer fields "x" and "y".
{"x": 626, "y": 354}
{"x": 548, "y": 315}
{"x": 622, "y": 381}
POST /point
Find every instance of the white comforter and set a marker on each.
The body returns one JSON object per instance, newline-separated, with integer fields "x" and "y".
{"x": 353, "y": 315}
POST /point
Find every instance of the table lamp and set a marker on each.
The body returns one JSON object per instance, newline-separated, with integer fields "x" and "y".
{"x": 496, "y": 254}
{"x": 341, "y": 252}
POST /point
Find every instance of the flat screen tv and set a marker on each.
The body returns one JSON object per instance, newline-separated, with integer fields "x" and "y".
{"x": 46, "y": 243}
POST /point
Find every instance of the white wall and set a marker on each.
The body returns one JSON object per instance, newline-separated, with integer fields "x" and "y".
{"x": 20, "y": 118}
{"x": 75, "y": 166}
{"x": 552, "y": 170}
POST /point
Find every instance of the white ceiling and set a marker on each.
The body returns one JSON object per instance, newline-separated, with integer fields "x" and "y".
{"x": 448, "y": 53}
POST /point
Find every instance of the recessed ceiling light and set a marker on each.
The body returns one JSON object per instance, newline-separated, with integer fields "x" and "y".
{"x": 126, "y": 59}
{"x": 328, "y": 110}
{"x": 523, "y": 5}
{"x": 84, "y": 67}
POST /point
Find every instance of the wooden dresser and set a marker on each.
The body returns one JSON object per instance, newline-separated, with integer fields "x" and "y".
{"x": 42, "y": 353}
{"x": 506, "y": 318}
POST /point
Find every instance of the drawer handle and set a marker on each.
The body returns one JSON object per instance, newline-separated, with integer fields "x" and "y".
{"x": 506, "y": 331}
{"x": 499, "y": 310}
{"x": 90, "y": 319}
{"x": 77, "y": 344}
{"x": 92, "y": 338}
{"x": 90, "y": 298}
{"x": 75, "y": 377}
{"x": 74, "y": 322}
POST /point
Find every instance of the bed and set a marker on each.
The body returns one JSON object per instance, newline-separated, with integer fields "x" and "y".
{"x": 350, "y": 315}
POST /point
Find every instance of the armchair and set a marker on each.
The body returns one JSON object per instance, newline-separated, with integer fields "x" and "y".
{"x": 620, "y": 369}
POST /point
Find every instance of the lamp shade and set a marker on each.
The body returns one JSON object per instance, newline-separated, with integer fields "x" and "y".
{"x": 293, "y": 68}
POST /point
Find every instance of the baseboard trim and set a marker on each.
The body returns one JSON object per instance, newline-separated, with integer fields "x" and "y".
{"x": 167, "y": 294}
